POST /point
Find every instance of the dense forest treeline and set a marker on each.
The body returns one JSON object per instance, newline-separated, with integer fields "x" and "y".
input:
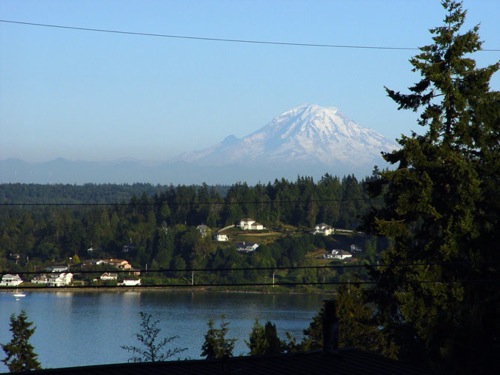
{"x": 157, "y": 227}
{"x": 18, "y": 193}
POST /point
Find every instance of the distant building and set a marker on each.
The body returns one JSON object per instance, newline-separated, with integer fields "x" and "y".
{"x": 221, "y": 237}
{"x": 338, "y": 254}
{"x": 63, "y": 279}
{"x": 57, "y": 269}
{"x": 10, "y": 280}
{"x": 203, "y": 229}
{"x": 246, "y": 247}
{"x": 121, "y": 264}
{"x": 355, "y": 249}
{"x": 323, "y": 229}
{"x": 54, "y": 279}
{"x": 40, "y": 279}
{"x": 130, "y": 283}
{"x": 250, "y": 224}
{"x": 107, "y": 276}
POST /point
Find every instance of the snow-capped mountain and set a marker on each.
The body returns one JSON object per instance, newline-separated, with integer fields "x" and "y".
{"x": 307, "y": 135}
{"x": 307, "y": 140}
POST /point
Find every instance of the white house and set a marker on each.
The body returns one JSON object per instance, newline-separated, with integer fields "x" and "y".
{"x": 61, "y": 279}
{"x": 221, "y": 237}
{"x": 54, "y": 279}
{"x": 338, "y": 254}
{"x": 40, "y": 279}
{"x": 250, "y": 224}
{"x": 10, "y": 280}
{"x": 57, "y": 269}
{"x": 130, "y": 282}
{"x": 107, "y": 276}
{"x": 324, "y": 229}
{"x": 246, "y": 247}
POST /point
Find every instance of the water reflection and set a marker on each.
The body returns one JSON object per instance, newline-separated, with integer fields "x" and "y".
{"x": 86, "y": 328}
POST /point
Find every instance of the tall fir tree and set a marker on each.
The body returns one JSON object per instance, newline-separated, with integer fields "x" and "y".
{"x": 20, "y": 354}
{"x": 438, "y": 297}
{"x": 217, "y": 345}
{"x": 264, "y": 340}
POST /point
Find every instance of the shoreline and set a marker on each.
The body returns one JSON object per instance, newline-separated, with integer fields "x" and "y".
{"x": 169, "y": 289}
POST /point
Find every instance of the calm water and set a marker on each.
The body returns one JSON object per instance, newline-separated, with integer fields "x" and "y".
{"x": 78, "y": 329}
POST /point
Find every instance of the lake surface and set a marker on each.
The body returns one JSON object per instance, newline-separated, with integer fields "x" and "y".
{"x": 88, "y": 328}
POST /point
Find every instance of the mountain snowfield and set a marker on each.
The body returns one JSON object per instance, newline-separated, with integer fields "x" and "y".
{"x": 307, "y": 134}
{"x": 307, "y": 140}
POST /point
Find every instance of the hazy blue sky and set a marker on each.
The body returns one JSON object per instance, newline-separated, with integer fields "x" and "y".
{"x": 102, "y": 96}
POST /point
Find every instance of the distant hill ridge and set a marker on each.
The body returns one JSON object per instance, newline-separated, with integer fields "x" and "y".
{"x": 307, "y": 140}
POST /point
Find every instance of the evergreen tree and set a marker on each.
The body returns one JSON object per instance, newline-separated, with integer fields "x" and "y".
{"x": 313, "y": 335}
{"x": 264, "y": 340}
{"x": 20, "y": 354}
{"x": 257, "y": 340}
{"x": 438, "y": 299}
{"x": 357, "y": 326}
{"x": 217, "y": 345}
{"x": 152, "y": 349}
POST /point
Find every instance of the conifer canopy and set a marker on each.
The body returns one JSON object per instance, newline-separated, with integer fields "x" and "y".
{"x": 438, "y": 297}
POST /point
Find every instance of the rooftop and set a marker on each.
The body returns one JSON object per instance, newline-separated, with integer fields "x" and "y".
{"x": 345, "y": 362}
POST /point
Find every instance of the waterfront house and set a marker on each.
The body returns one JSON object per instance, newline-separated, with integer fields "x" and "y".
{"x": 54, "y": 279}
{"x": 128, "y": 282}
{"x": 10, "y": 280}
{"x": 107, "y": 276}
{"x": 40, "y": 279}
{"x": 62, "y": 279}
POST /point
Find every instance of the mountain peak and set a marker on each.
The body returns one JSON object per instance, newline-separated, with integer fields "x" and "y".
{"x": 306, "y": 110}
{"x": 307, "y": 134}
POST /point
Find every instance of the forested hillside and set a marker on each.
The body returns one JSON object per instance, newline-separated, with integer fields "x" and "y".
{"x": 157, "y": 227}
{"x": 72, "y": 194}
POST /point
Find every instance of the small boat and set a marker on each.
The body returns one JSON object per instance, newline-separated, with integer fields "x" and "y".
{"x": 17, "y": 294}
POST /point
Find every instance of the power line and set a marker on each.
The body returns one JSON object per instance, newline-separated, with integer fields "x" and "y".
{"x": 243, "y": 284}
{"x": 224, "y": 40}
{"x": 180, "y": 204}
{"x": 208, "y": 39}
{"x": 276, "y": 268}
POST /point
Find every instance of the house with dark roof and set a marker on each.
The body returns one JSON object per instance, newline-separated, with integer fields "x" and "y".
{"x": 345, "y": 362}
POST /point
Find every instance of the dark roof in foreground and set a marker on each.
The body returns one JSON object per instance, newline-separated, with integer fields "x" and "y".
{"x": 345, "y": 362}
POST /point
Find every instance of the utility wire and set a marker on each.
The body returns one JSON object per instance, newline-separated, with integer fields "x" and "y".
{"x": 208, "y": 39}
{"x": 224, "y": 40}
{"x": 248, "y": 284}
{"x": 277, "y": 268}
{"x": 180, "y": 204}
